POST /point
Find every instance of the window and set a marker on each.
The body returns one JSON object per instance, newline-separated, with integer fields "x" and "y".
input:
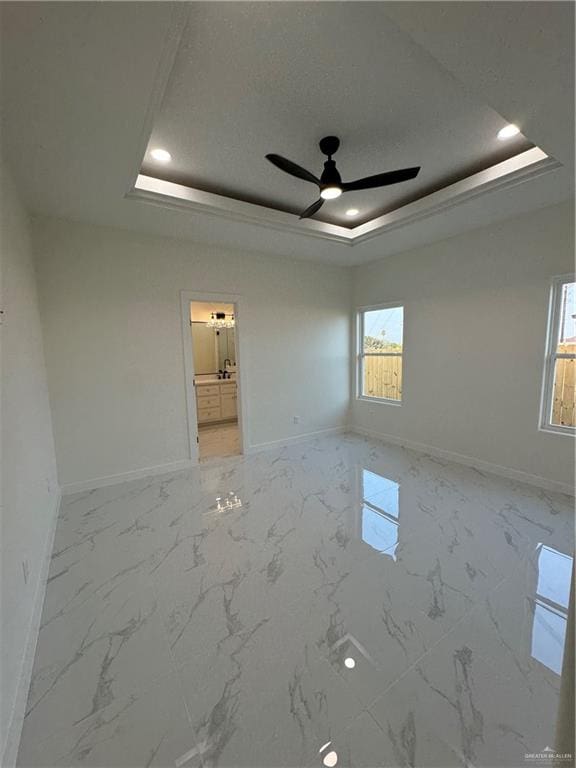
{"x": 380, "y": 332}
{"x": 558, "y": 399}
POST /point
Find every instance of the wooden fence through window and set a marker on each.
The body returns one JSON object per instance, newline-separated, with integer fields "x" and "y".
{"x": 383, "y": 377}
{"x": 563, "y": 403}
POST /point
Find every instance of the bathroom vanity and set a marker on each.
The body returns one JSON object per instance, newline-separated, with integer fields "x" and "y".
{"x": 215, "y": 400}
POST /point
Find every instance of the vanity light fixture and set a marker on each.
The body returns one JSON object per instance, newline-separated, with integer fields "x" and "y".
{"x": 508, "y": 132}
{"x": 220, "y": 321}
{"x": 161, "y": 155}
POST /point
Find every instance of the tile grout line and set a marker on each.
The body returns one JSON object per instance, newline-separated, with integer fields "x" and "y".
{"x": 473, "y": 609}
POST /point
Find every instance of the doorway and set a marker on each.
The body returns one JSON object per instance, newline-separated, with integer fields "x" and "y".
{"x": 213, "y": 341}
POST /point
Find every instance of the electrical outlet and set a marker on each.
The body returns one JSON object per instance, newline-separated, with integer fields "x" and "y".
{"x": 296, "y": 419}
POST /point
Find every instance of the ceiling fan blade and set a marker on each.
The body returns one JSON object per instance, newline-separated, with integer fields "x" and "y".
{"x": 294, "y": 170}
{"x": 381, "y": 179}
{"x": 311, "y": 210}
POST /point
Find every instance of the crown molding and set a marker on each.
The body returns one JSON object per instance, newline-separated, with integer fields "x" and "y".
{"x": 509, "y": 173}
{"x": 506, "y": 174}
{"x": 177, "y": 196}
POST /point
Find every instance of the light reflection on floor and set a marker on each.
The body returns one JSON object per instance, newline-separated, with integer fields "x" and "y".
{"x": 551, "y": 607}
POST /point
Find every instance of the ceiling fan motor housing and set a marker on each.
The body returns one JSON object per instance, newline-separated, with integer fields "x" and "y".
{"x": 330, "y": 176}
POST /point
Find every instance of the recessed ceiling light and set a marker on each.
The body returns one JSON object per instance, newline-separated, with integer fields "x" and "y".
{"x": 331, "y": 759}
{"x": 161, "y": 155}
{"x": 508, "y": 131}
{"x": 331, "y": 193}
{"x": 352, "y": 212}
{"x": 349, "y": 662}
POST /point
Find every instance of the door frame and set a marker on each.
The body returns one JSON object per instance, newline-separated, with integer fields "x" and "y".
{"x": 186, "y": 297}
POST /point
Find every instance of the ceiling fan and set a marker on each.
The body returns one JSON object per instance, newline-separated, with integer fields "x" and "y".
{"x": 330, "y": 183}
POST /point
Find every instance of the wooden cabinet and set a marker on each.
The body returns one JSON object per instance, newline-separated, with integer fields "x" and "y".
{"x": 228, "y": 406}
{"x": 216, "y": 401}
{"x": 208, "y": 414}
{"x": 210, "y": 401}
{"x": 208, "y": 390}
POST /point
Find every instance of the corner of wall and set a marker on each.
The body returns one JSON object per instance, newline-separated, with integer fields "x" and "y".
{"x": 29, "y": 486}
{"x": 14, "y": 730}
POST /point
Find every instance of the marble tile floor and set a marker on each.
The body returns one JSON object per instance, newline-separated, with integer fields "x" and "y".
{"x": 218, "y": 440}
{"x": 337, "y": 602}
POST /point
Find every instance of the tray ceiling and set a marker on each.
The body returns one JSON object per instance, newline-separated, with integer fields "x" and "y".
{"x": 220, "y": 85}
{"x": 253, "y": 78}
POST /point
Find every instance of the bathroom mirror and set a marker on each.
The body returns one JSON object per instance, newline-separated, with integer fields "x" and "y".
{"x": 212, "y": 348}
{"x": 226, "y": 350}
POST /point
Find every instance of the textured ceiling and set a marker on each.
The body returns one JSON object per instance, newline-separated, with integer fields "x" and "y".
{"x": 253, "y": 78}
{"x": 79, "y": 93}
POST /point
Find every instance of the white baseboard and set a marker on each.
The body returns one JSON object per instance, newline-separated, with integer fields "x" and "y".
{"x": 10, "y": 752}
{"x": 469, "y": 461}
{"x": 295, "y": 439}
{"x": 184, "y": 464}
{"x": 123, "y": 477}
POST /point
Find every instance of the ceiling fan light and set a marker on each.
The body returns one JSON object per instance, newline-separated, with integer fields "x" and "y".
{"x": 330, "y": 193}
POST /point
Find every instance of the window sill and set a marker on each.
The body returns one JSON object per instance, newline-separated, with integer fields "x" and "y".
{"x": 378, "y": 400}
{"x": 551, "y": 429}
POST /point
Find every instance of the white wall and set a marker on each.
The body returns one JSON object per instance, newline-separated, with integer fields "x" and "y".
{"x": 111, "y": 314}
{"x": 29, "y": 491}
{"x": 475, "y": 326}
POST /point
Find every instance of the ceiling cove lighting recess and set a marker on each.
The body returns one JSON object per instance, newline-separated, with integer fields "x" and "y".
{"x": 508, "y": 132}
{"x": 161, "y": 155}
{"x": 352, "y": 212}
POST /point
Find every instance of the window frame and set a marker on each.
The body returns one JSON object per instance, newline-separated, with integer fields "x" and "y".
{"x": 550, "y": 357}
{"x": 360, "y": 354}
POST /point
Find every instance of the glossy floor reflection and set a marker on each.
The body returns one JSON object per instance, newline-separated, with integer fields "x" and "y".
{"x": 339, "y": 602}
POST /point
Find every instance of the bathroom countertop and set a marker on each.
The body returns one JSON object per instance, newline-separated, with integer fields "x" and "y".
{"x": 206, "y": 382}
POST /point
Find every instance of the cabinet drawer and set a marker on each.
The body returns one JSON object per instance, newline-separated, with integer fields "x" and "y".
{"x": 209, "y": 414}
{"x": 207, "y": 389}
{"x": 208, "y": 401}
{"x": 228, "y": 387}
